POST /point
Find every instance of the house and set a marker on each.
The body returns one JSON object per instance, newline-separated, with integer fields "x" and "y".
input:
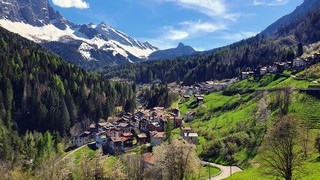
{"x": 189, "y": 116}
{"x": 186, "y": 98}
{"x": 191, "y": 138}
{"x": 93, "y": 128}
{"x": 263, "y": 70}
{"x": 272, "y": 69}
{"x": 184, "y": 130}
{"x": 82, "y": 139}
{"x": 198, "y": 98}
{"x": 125, "y": 127}
{"x": 116, "y": 145}
{"x": 177, "y": 122}
{"x": 129, "y": 139}
{"x": 142, "y": 138}
{"x": 148, "y": 160}
{"x": 156, "y": 137}
{"x": 143, "y": 125}
{"x": 175, "y": 111}
{"x": 246, "y": 75}
{"x": 298, "y": 62}
{"x": 101, "y": 139}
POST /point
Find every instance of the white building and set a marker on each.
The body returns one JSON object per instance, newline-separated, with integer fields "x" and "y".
{"x": 82, "y": 139}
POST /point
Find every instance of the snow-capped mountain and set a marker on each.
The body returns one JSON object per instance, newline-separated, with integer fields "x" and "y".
{"x": 89, "y": 46}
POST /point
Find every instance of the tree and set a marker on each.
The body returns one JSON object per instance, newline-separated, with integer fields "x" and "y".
{"x": 280, "y": 149}
{"x": 55, "y": 169}
{"x": 317, "y": 143}
{"x": 168, "y": 132}
{"x": 300, "y": 50}
{"x": 134, "y": 166}
{"x": 176, "y": 160}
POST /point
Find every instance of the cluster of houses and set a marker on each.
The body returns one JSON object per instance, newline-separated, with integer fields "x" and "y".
{"x": 278, "y": 67}
{"x": 119, "y": 134}
{"x": 202, "y": 88}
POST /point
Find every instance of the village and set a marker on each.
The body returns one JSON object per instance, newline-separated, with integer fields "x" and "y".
{"x": 199, "y": 89}
{"x": 116, "y": 135}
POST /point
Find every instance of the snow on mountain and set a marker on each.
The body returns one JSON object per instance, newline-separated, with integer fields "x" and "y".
{"x": 99, "y": 45}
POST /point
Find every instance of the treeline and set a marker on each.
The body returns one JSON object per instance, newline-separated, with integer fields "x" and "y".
{"x": 157, "y": 95}
{"x": 228, "y": 61}
{"x": 305, "y": 28}
{"x": 41, "y": 92}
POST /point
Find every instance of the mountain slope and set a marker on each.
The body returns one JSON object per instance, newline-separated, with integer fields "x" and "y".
{"x": 40, "y": 91}
{"x": 181, "y": 50}
{"x": 303, "y": 9}
{"x": 90, "y": 45}
{"x": 229, "y": 61}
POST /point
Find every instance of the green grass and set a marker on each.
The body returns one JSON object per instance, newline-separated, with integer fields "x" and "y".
{"x": 269, "y": 81}
{"x": 221, "y": 118}
{"x": 78, "y": 155}
{"x": 204, "y": 173}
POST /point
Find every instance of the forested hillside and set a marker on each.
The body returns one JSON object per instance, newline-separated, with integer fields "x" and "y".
{"x": 41, "y": 92}
{"x": 228, "y": 61}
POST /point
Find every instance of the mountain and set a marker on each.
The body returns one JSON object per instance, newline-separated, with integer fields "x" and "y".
{"x": 303, "y": 9}
{"x": 181, "y": 50}
{"x": 88, "y": 45}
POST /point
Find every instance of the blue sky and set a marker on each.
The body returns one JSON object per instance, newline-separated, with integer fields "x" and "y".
{"x": 202, "y": 24}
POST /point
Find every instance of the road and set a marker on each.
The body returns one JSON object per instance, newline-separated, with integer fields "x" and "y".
{"x": 225, "y": 170}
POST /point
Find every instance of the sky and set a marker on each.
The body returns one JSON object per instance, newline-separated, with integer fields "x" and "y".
{"x": 202, "y": 24}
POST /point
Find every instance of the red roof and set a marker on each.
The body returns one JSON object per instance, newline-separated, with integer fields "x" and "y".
{"x": 127, "y": 134}
{"x": 142, "y": 136}
{"x": 148, "y": 158}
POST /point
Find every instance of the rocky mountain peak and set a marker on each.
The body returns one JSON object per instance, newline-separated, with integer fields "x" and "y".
{"x": 33, "y": 12}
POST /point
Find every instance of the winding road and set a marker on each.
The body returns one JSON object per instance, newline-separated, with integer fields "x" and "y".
{"x": 226, "y": 171}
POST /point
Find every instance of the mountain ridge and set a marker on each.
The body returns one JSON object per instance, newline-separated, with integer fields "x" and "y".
{"x": 180, "y": 50}
{"x": 91, "y": 46}
{"x": 306, "y": 6}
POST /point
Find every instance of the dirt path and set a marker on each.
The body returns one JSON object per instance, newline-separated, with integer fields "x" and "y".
{"x": 226, "y": 171}
{"x": 70, "y": 153}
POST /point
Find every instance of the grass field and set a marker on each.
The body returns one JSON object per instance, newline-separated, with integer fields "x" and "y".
{"x": 227, "y": 123}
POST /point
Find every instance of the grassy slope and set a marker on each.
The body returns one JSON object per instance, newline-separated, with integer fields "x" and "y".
{"x": 222, "y": 117}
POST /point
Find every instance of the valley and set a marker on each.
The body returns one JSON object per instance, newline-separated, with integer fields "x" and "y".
{"x": 88, "y": 101}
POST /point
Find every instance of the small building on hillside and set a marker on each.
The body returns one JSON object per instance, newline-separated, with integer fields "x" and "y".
{"x": 184, "y": 130}
{"x": 177, "y": 122}
{"x": 186, "y": 98}
{"x": 189, "y": 116}
{"x": 191, "y": 138}
{"x": 298, "y": 62}
{"x": 246, "y": 75}
{"x": 198, "y": 98}
{"x": 263, "y": 70}
{"x": 156, "y": 137}
{"x": 116, "y": 145}
{"x": 175, "y": 111}
{"x": 142, "y": 138}
{"x": 82, "y": 139}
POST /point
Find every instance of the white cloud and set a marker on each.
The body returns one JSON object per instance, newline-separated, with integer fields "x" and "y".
{"x": 81, "y": 4}
{"x": 196, "y": 27}
{"x": 173, "y": 34}
{"x": 170, "y": 36}
{"x": 212, "y": 8}
{"x": 238, "y": 36}
{"x": 270, "y": 2}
